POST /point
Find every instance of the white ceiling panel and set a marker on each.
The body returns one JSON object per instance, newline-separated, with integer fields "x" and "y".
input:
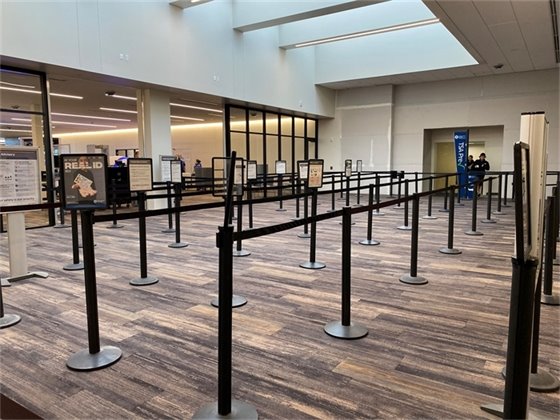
{"x": 512, "y": 44}
{"x": 495, "y": 12}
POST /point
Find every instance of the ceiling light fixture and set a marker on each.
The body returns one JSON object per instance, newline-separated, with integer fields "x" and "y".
{"x": 114, "y": 95}
{"x": 17, "y": 85}
{"x": 89, "y": 116}
{"x": 196, "y": 107}
{"x": 16, "y": 124}
{"x": 369, "y": 32}
{"x": 187, "y": 118}
{"x": 83, "y": 124}
{"x": 126, "y": 111}
{"x": 62, "y": 95}
{"x": 21, "y": 119}
{"x": 15, "y": 129}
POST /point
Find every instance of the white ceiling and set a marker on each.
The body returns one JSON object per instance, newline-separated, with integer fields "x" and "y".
{"x": 503, "y": 36}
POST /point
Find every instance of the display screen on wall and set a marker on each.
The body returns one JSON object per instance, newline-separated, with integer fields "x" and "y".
{"x": 84, "y": 181}
{"x": 19, "y": 176}
{"x": 315, "y": 173}
{"x": 140, "y": 174}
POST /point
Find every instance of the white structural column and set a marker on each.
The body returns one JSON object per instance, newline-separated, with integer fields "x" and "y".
{"x": 154, "y": 132}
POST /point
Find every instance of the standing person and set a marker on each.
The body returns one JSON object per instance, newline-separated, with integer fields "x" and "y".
{"x": 479, "y": 168}
{"x": 470, "y": 163}
{"x": 198, "y": 164}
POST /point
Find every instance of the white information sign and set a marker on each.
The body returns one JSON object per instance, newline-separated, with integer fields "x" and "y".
{"x": 251, "y": 169}
{"x": 315, "y": 174}
{"x": 19, "y": 176}
{"x": 165, "y": 167}
{"x": 359, "y": 166}
{"x": 302, "y": 166}
{"x": 280, "y": 167}
{"x": 140, "y": 174}
{"x": 176, "y": 174}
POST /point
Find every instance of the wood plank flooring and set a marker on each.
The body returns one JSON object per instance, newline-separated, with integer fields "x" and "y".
{"x": 433, "y": 351}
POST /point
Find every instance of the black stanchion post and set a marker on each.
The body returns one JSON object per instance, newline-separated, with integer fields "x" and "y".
{"x": 239, "y": 251}
{"x": 250, "y": 198}
{"x": 114, "y": 225}
{"x": 505, "y": 204}
{"x": 60, "y": 213}
{"x": 430, "y": 186}
{"x": 459, "y": 181}
{"x": 414, "y": 278}
{"x": 341, "y": 185}
{"x": 359, "y": 190}
{"x": 548, "y": 298}
{"x": 378, "y": 195}
{"x": 280, "y": 194}
{"x": 169, "y": 206}
{"x": 489, "y": 204}
{"x": 177, "y": 243}
{"x": 499, "y": 203}
{"x": 347, "y": 191}
{"x": 398, "y": 206}
{"x": 95, "y": 356}
{"x": 6, "y": 320}
{"x": 345, "y": 328}
{"x": 76, "y": 264}
{"x": 144, "y": 279}
{"x": 445, "y": 209}
{"x": 416, "y": 182}
{"x": 312, "y": 264}
{"x": 298, "y": 190}
{"x": 405, "y": 226}
{"x": 333, "y": 189}
{"x": 369, "y": 240}
{"x": 449, "y": 249}
{"x": 305, "y": 233}
{"x": 391, "y": 186}
{"x": 473, "y": 231}
{"x": 225, "y": 407}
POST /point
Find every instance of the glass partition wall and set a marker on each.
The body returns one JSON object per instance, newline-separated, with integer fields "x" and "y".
{"x": 24, "y": 122}
{"x": 268, "y": 137}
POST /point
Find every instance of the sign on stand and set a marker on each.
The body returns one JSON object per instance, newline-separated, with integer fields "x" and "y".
{"x": 140, "y": 174}
{"x": 84, "y": 181}
{"x": 348, "y": 168}
{"x": 19, "y": 176}
{"x": 170, "y": 169}
{"x": 303, "y": 169}
{"x": 280, "y": 167}
{"x": 315, "y": 173}
{"x": 359, "y": 166}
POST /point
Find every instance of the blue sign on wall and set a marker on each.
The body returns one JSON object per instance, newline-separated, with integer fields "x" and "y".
{"x": 461, "y": 152}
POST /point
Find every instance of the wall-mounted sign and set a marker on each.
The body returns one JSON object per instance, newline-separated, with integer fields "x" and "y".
{"x": 251, "y": 170}
{"x": 84, "y": 181}
{"x": 280, "y": 167}
{"x": 348, "y": 168}
{"x": 359, "y": 166}
{"x": 140, "y": 174}
{"x": 315, "y": 173}
{"x": 19, "y": 176}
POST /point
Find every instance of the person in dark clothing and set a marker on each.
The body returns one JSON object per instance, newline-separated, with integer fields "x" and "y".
{"x": 470, "y": 163}
{"x": 479, "y": 168}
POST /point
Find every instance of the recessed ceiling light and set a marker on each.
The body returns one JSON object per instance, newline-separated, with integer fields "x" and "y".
{"x": 118, "y": 110}
{"x": 114, "y": 95}
{"x": 186, "y": 118}
{"x": 14, "y": 129}
{"x": 17, "y": 85}
{"x": 196, "y": 107}
{"x": 83, "y": 124}
{"x": 62, "y": 95}
{"x": 89, "y": 116}
{"x": 16, "y": 124}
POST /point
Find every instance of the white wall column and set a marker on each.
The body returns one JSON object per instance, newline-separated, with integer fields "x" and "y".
{"x": 154, "y": 132}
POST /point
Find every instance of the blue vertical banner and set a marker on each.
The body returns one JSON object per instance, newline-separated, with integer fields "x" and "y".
{"x": 461, "y": 153}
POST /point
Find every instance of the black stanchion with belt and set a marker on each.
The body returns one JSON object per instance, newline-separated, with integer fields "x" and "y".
{"x": 280, "y": 194}
{"x": 345, "y": 328}
{"x": 95, "y": 356}
{"x": 305, "y": 233}
{"x": 369, "y": 240}
{"x": 114, "y": 225}
{"x": 445, "y": 209}
{"x": 61, "y": 216}
{"x": 499, "y": 202}
{"x": 505, "y": 204}
{"x": 348, "y": 196}
{"x": 413, "y": 277}
{"x": 489, "y": 205}
{"x": 473, "y": 231}
{"x": 298, "y": 190}
{"x": 312, "y": 264}
{"x": 239, "y": 251}
{"x": 76, "y": 264}
{"x": 547, "y": 297}
{"x": 6, "y": 320}
{"x": 144, "y": 279}
{"x": 405, "y": 226}
{"x": 378, "y": 195}
{"x": 398, "y": 206}
{"x": 169, "y": 205}
{"x": 250, "y": 198}
{"x": 177, "y": 243}
{"x": 449, "y": 249}
{"x": 358, "y": 191}
{"x": 333, "y": 189}
{"x": 430, "y": 186}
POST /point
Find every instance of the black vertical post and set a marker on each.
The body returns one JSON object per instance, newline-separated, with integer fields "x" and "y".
{"x": 347, "y": 191}
{"x": 445, "y": 209}
{"x": 333, "y": 189}
{"x": 398, "y": 206}
{"x": 341, "y": 185}
{"x": 239, "y": 251}
{"x": 505, "y": 190}
{"x": 416, "y": 182}
{"x": 550, "y": 246}
{"x": 225, "y": 323}
{"x": 297, "y": 199}
{"x": 60, "y": 212}
{"x": 414, "y": 278}
{"x": 280, "y": 193}
{"x": 169, "y": 206}
{"x": 499, "y": 203}
{"x": 250, "y": 198}
{"x": 114, "y": 225}
{"x": 312, "y": 264}
{"x": 430, "y": 187}
{"x": 473, "y": 231}
{"x": 369, "y": 240}
{"x": 489, "y": 204}
{"x": 177, "y": 243}
{"x": 305, "y": 233}
{"x": 449, "y": 249}
{"x": 76, "y": 264}
{"x": 390, "y": 186}
{"x": 405, "y": 226}
{"x": 378, "y": 195}
{"x": 358, "y": 191}
{"x": 144, "y": 279}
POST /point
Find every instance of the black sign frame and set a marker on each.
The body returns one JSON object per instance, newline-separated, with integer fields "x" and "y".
{"x": 78, "y": 184}
{"x": 522, "y": 193}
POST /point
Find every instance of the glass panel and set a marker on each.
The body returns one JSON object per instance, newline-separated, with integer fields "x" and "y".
{"x": 237, "y": 118}
{"x": 255, "y": 121}
{"x": 311, "y": 128}
{"x": 20, "y": 91}
{"x": 300, "y": 149}
{"x": 272, "y": 123}
{"x": 312, "y": 146}
{"x": 287, "y": 153}
{"x": 238, "y": 143}
{"x": 271, "y": 153}
{"x": 286, "y": 126}
{"x": 300, "y": 127}
{"x": 15, "y": 126}
{"x": 256, "y": 144}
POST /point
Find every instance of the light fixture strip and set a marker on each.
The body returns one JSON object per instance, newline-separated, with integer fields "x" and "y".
{"x": 61, "y": 114}
{"x": 16, "y": 124}
{"x": 62, "y": 95}
{"x": 83, "y": 124}
{"x": 126, "y": 111}
{"x": 196, "y": 107}
{"x": 17, "y": 85}
{"x": 370, "y": 32}
{"x": 15, "y": 129}
{"x": 186, "y": 118}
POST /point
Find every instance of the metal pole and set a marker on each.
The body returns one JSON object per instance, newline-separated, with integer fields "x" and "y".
{"x": 358, "y": 193}
{"x": 450, "y": 249}
{"x": 305, "y": 233}
{"x": 446, "y": 196}
{"x": 405, "y": 226}
{"x": 399, "y": 194}
{"x": 489, "y": 204}
{"x": 378, "y": 194}
{"x": 369, "y": 240}
{"x": 114, "y": 225}
{"x": 473, "y": 231}
{"x": 547, "y": 297}
{"x": 144, "y": 279}
{"x": 90, "y": 282}
{"x": 312, "y": 264}
{"x": 505, "y": 189}
{"x": 169, "y": 206}
{"x": 430, "y": 186}
{"x": 177, "y": 243}
{"x": 499, "y": 203}
{"x": 347, "y": 191}
{"x": 333, "y": 188}
{"x": 413, "y": 278}
{"x": 76, "y": 264}
{"x": 250, "y": 197}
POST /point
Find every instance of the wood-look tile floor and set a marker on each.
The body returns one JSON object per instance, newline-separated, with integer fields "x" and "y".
{"x": 433, "y": 351}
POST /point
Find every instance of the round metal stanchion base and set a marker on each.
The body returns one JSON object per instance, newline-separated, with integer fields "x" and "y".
{"x": 542, "y": 381}
{"x": 5, "y": 283}
{"x": 443, "y": 210}
{"x": 178, "y": 245}
{"x": 404, "y": 228}
{"x": 553, "y": 300}
{"x": 378, "y": 214}
{"x": 304, "y": 235}
{"x": 473, "y": 233}
{"x": 169, "y": 230}
{"x": 61, "y": 226}
{"x": 315, "y": 265}
{"x": 239, "y": 410}
{"x": 488, "y": 221}
{"x": 497, "y": 212}
{"x": 84, "y": 360}
{"x": 429, "y": 217}
{"x": 74, "y": 267}
{"x": 281, "y": 209}
{"x": 348, "y": 332}
{"x": 236, "y": 301}
{"x": 8, "y": 320}
{"x": 241, "y": 253}
{"x": 369, "y": 242}
{"x": 451, "y": 251}
{"x": 408, "y": 279}
{"x": 144, "y": 281}
{"x": 115, "y": 226}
